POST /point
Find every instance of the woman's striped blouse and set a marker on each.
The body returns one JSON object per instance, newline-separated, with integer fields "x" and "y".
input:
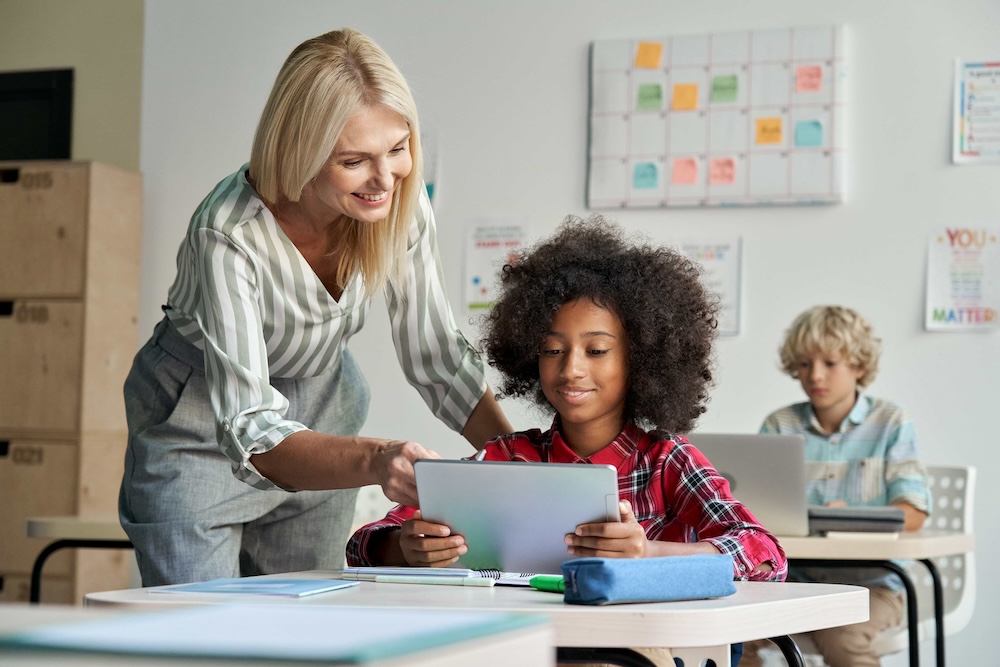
{"x": 247, "y": 297}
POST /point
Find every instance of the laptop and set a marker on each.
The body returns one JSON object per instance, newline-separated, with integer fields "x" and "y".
{"x": 515, "y": 515}
{"x": 767, "y": 473}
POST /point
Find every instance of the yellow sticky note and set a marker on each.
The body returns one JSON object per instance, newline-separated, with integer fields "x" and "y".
{"x": 648, "y": 55}
{"x": 768, "y": 131}
{"x": 685, "y": 96}
{"x": 685, "y": 172}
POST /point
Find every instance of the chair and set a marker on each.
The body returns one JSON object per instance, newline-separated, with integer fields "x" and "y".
{"x": 952, "y": 488}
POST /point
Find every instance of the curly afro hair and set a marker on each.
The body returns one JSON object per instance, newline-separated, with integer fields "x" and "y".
{"x": 669, "y": 319}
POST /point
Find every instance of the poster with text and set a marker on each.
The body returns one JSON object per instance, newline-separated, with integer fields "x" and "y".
{"x": 963, "y": 278}
{"x": 720, "y": 262}
{"x": 976, "y": 135}
{"x": 488, "y": 248}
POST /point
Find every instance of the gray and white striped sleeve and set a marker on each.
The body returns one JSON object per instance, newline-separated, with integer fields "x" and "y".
{"x": 249, "y": 411}
{"x": 435, "y": 356}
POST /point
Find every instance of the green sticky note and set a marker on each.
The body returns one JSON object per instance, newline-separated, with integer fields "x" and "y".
{"x": 650, "y": 97}
{"x": 724, "y": 88}
{"x": 645, "y": 176}
{"x": 809, "y": 133}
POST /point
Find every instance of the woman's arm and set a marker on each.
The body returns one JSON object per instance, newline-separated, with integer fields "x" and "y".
{"x": 307, "y": 460}
{"x": 486, "y": 422}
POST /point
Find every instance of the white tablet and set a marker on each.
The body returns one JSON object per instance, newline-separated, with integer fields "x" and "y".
{"x": 514, "y": 515}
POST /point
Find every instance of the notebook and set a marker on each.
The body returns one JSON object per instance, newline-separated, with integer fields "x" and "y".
{"x": 515, "y": 515}
{"x": 767, "y": 473}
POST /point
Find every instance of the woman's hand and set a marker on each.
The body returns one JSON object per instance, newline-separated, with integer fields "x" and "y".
{"x": 427, "y": 544}
{"x": 393, "y": 468}
{"x": 609, "y": 540}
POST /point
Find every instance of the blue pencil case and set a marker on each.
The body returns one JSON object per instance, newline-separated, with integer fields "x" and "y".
{"x": 620, "y": 580}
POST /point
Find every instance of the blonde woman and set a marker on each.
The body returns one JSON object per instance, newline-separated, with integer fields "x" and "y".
{"x": 245, "y": 405}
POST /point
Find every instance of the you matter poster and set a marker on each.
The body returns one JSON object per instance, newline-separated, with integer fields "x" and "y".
{"x": 963, "y": 278}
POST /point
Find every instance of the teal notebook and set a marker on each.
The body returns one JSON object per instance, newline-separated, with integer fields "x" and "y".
{"x": 295, "y": 588}
{"x": 293, "y": 633}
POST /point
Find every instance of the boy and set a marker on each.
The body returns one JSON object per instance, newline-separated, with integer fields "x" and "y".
{"x": 859, "y": 451}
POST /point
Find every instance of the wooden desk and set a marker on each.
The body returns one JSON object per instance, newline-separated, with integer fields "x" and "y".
{"x": 72, "y": 532}
{"x": 922, "y": 545}
{"x": 529, "y": 646}
{"x": 695, "y": 630}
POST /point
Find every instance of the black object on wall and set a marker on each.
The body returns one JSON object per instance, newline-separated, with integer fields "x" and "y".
{"x": 36, "y": 114}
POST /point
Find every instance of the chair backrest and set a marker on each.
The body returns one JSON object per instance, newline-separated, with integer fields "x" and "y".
{"x": 952, "y": 489}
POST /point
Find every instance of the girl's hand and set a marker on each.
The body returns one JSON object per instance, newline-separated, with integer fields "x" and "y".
{"x": 427, "y": 544}
{"x": 609, "y": 540}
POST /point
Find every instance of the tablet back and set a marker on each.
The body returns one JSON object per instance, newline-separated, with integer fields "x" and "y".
{"x": 514, "y": 515}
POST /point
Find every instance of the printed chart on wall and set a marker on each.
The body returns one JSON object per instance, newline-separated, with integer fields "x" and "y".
{"x": 976, "y": 136}
{"x": 720, "y": 119}
{"x": 721, "y": 275}
{"x": 963, "y": 279}
{"x": 489, "y": 245}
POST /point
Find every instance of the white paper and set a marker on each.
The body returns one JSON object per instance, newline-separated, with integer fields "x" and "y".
{"x": 976, "y": 133}
{"x": 720, "y": 260}
{"x": 489, "y": 245}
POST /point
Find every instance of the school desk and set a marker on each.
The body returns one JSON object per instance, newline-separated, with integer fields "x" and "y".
{"x": 922, "y": 545}
{"x": 695, "y": 630}
{"x": 529, "y": 645}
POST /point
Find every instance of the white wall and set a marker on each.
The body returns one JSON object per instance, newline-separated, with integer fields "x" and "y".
{"x": 504, "y": 85}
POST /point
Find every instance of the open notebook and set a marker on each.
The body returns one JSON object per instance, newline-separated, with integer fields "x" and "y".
{"x": 767, "y": 473}
{"x": 387, "y": 573}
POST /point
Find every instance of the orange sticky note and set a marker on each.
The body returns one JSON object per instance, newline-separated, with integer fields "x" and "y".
{"x": 721, "y": 171}
{"x": 809, "y": 79}
{"x": 768, "y": 131}
{"x": 685, "y": 96}
{"x": 685, "y": 171}
{"x": 648, "y": 55}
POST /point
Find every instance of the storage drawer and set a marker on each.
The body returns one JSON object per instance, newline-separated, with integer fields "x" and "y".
{"x": 37, "y": 478}
{"x": 43, "y": 214}
{"x": 40, "y": 362}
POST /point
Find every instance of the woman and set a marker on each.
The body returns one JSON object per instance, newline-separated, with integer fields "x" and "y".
{"x": 245, "y": 405}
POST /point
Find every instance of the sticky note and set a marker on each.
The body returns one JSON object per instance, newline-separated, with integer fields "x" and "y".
{"x": 685, "y": 171}
{"x": 647, "y": 55}
{"x": 768, "y": 131}
{"x": 645, "y": 176}
{"x": 808, "y": 79}
{"x": 685, "y": 96}
{"x": 721, "y": 171}
{"x": 809, "y": 133}
{"x": 724, "y": 88}
{"x": 650, "y": 97}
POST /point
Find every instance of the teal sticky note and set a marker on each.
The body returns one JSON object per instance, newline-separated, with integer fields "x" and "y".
{"x": 645, "y": 176}
{"x": 724, "y": 88}
{"x": 650, "y": 97}
{"x": 809, "y": 133}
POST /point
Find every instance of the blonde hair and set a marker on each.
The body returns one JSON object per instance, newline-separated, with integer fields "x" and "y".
{"x": 826, "y": 329}
{"x": 324, "y": 82}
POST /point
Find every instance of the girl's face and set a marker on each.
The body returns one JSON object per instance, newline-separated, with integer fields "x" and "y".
{"x": 583, "y": 369}
{"x": 369, "y": 161}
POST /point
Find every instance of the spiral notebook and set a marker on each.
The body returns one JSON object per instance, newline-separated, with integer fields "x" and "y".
{"x": 386, "y": 572}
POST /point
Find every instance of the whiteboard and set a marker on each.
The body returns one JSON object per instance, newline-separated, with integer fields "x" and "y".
{"x": 719, "y": 119}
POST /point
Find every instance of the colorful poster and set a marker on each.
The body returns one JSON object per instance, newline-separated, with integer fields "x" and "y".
{"x": 720, "y": 261}
{"x": 976, "y": 135}
{"x": 488, "y": 248}
{"x": 963, "y": 279}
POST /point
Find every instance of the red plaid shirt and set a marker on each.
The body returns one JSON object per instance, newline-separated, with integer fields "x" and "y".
{"x": 676, "y": 495}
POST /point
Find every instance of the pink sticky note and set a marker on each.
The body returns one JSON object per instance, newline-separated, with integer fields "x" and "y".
{"x": 809, "y": 79}
{"x": 721, "y": 171}
{"x": 685, "y": 171}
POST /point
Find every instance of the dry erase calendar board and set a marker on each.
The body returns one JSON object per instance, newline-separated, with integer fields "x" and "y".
{"x": 721, "y": 119}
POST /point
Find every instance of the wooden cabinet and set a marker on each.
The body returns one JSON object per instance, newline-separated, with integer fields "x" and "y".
{"x": 69, "y": 289}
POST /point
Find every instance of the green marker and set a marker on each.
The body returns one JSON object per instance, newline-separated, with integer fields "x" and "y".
{"x": 553, "y": 583}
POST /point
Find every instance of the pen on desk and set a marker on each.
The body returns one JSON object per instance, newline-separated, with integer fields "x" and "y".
{"x": 439, "y": 581}
{"x": 480, "y": 455}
